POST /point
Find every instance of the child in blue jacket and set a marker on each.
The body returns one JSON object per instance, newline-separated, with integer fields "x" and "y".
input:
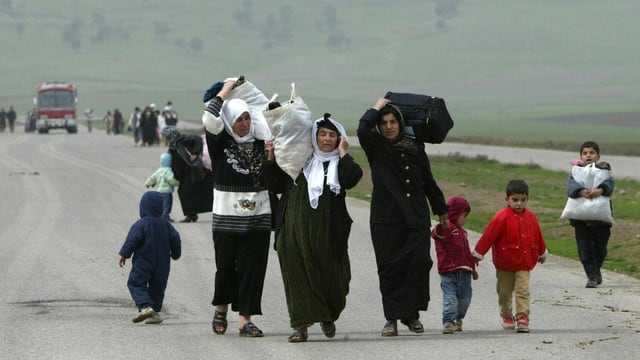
{"x": 152, "y": 241}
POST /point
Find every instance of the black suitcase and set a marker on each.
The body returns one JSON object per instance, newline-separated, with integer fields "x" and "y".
{"x": 426, "y": 118}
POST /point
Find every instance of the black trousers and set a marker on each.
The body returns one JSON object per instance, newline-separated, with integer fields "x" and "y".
{"x": 592, "y": 246}
{"x": 241, "y": 264}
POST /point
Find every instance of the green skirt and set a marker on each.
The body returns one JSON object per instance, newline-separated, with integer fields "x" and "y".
{"x": 316, "y": 283}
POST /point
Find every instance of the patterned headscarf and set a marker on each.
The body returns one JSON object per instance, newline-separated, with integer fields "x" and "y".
{"x": 171, "y": 133}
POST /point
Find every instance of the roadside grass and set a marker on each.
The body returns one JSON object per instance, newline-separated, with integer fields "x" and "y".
{"x": 483, "y": 183}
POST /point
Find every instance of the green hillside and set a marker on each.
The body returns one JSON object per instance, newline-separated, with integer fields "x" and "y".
{"x": 502, "y": 65}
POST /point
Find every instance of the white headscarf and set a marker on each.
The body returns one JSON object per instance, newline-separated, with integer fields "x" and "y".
{"x": 231, "y": 111}
{"x": 314, "y": 170}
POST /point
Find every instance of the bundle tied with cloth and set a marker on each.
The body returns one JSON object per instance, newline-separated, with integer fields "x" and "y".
{"x": 290, "y": 124}
{"x": 255, "y": 99}
{"x": 590, "y": 176}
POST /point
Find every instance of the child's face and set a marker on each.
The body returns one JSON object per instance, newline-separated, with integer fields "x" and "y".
{"x": 462, "y": 219}
{"x": 518, "y": 202}
{"x": 589, "y": 155}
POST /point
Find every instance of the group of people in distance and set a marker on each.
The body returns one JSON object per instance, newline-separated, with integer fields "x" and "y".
{"x": 253, "y": 196}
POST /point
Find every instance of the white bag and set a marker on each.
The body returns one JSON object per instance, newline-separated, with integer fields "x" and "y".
{"x": 598, "y": 209}
{"x": 291, "y": 126}
{"x": 257, "y": 102}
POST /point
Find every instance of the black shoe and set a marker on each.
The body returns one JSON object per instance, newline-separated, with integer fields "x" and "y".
{"x": 186, "y": 219}
{"x": 591, "y": 283}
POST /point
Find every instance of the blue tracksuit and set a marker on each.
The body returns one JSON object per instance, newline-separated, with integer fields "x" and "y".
{"x": 152, "y": 241}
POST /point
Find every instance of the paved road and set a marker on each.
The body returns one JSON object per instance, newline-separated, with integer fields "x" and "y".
{"x": 68, "y": 201}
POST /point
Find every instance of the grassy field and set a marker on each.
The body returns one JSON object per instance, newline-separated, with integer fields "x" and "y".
{"x": 526, "y": 73}
{"x": 483, "y": 183}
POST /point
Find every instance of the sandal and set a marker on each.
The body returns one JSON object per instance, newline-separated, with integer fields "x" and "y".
{"x": 414, "y": 325}
{"x": 250, "y": 330}
{"x": 328, "y": 329}
{"x": 298, "y": 336}
{"x": 390, "y": 328}
{"x": 219, "y": 323}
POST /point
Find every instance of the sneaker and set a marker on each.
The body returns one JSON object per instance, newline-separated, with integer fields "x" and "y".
{"x": 144, "y": 314}
{"x": 507, "y": 321}
{"x": 523, "y": 324}
{"x": 458, "y": 324}
{"x": 599, "y": 278}
{"x": 591, "y": 283}
{"x": 154, "y": 319}
{"x": 448, "y": 328}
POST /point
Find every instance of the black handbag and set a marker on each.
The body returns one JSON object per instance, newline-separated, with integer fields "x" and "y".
{"x": 426, "y": 118}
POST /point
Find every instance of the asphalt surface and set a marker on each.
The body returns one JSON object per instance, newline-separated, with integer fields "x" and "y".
{"x": 69, "y": 200}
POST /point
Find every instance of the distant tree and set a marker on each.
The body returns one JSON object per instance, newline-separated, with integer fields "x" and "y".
{"x": 105, "y": 31}
{"x": 285, "y": 15}
{"x": 20, "y": 28}
{"x": 6, "y": 6}
{"x": 338, "y": 40}
{"x": 161, "y": 30}
{"x": 445, "y": 10}
{"x": 72, "y": 33}
{"x": 329, "y": 18}
{"x": 180, "y": 43}
{"x": 196, "y": 44}
{"x": 277, "y": 31}
{"x": 244, "y": 15}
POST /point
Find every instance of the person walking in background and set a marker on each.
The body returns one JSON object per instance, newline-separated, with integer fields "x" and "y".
{"x": 11, "y": 117}
{"x": 30, "y": 123}
{"x": 152, "y": 242}
{"x": 241, "y": 209}
{"x": 88, "y": 114}
{"x": 196, "y": 181}
{"x": 592, "y": 236}
{"x": 312, "y": 229}
{"x": 165, "y": 182}
{"x": 108, "y": 121}
{"x": 149, "y": 126}
{"x": 3, "y": 119}
{"x": 399, "y": 219}
{"x": 170, "y": 115}
{"x": 456, "y": 265}
{"x": 517, "y": 244}
{"x": 134, "y": 126}
{"x": 118, "y": 122}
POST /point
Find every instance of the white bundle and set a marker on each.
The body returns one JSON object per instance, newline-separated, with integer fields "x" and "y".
{"x": 291, "y": 125}
{"x": 597, "y": 209}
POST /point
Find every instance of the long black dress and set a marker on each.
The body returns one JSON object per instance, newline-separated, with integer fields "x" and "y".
{"x": 400, "y": 219}
{"x": 196, "y": 182}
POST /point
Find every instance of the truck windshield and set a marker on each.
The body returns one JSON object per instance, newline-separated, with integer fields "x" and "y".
{"x": 56, "y": 99}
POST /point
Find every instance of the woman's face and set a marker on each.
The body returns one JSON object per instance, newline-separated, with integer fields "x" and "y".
{"x": 389, "y": 126}
{"x": 327, "y": 139}
{"x": 242, "y": 125}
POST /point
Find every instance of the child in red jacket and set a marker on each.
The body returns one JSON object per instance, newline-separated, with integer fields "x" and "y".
{"x": 455, "y": 264}
{"x": 516, "y": 243}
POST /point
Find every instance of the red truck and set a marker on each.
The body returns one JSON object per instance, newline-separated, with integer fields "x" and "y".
{"x": 56, "y": 107}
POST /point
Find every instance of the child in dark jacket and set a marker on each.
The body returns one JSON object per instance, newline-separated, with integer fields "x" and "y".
{"x": 592, "y": 237}
{"x": 152, "y": 241}
{"x": 456, "y": 266}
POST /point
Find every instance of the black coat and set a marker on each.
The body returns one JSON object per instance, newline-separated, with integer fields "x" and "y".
{"x": 196, "y": 182}
{"x": 402, "y": 179}
{"x": 349, "y": 173}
